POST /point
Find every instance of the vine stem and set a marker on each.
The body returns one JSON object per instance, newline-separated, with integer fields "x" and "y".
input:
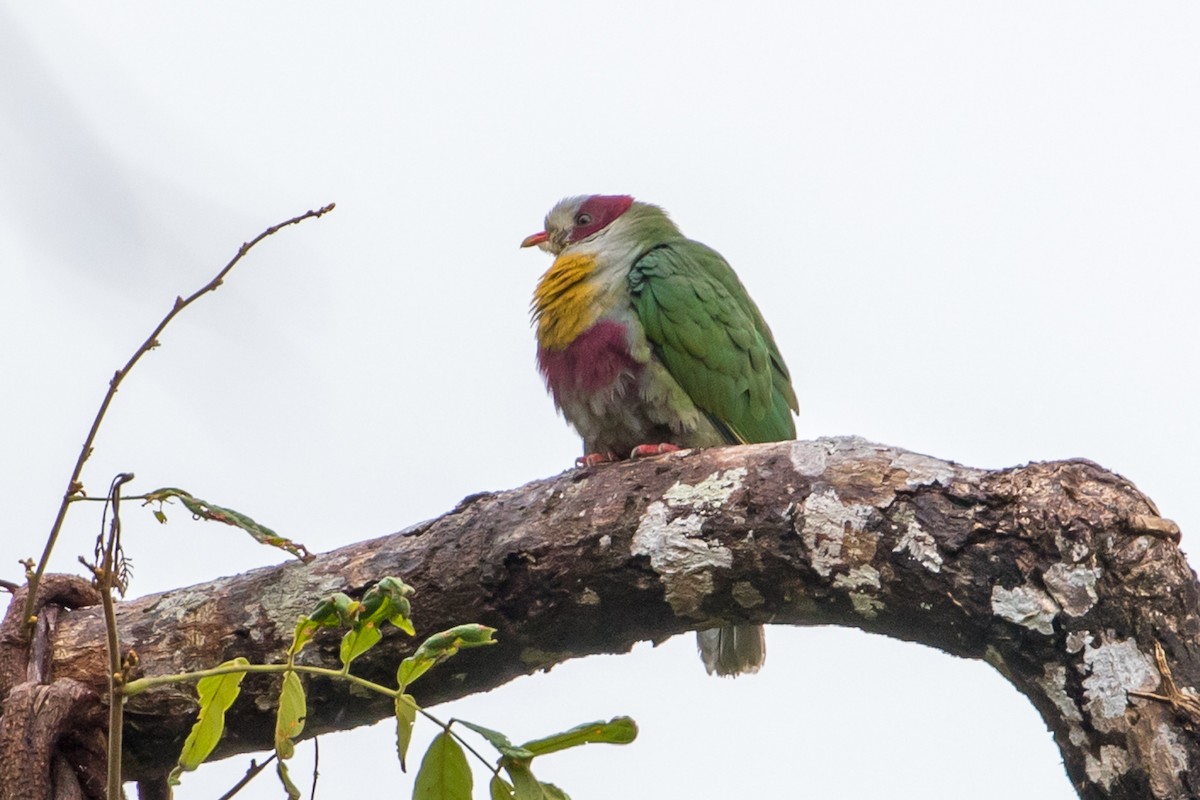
{"x": 145, "y": 684}
{"x": 134, "y": 688}
{"x": 116, "y": 669}
{"x": 251, "y": 774}
{"x": 74, "y": 487}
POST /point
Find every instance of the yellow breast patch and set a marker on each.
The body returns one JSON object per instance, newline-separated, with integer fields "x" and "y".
{"x": 564, "y": 302}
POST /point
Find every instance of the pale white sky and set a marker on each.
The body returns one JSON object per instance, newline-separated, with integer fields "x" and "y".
{"x": 972, "y": 227}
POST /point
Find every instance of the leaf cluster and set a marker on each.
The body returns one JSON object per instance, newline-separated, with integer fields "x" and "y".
{"x": 445, "y": 767}
{"x": 444, "y": 773}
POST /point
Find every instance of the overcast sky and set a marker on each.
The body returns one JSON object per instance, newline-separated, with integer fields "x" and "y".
{"x": 972, "y": 227}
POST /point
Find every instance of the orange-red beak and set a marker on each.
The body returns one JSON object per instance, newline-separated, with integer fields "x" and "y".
{"x": 535, "y": 239}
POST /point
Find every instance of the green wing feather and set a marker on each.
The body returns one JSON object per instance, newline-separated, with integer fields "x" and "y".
{"x": 713, "y": 340}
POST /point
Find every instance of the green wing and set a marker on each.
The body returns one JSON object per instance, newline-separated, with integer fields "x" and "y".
{"x": 714, "y": 341}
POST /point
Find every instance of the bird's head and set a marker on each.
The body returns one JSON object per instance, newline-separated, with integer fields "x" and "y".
{"x": 578, "y": 219}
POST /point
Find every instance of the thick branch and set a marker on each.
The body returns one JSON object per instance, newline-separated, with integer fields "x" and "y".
{"x": 1061, "y": 575}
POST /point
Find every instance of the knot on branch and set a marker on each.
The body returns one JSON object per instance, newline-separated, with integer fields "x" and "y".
{"x": 52, "y": 740}
{"x": 24, "y": 657}
{"x": 1078, "y": 514}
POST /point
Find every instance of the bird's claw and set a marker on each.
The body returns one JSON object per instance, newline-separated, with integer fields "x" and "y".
{"x": 641, "y": 451}
{"x": 645, "y": 450}
{"x": 592, "y": 459}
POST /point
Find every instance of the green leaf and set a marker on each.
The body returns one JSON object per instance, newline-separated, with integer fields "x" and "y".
{"x": 329, "y": 612}
{"x": 412, "y": 668}
{"x": 499, "y": 741}
{"x": 293, "y": 791}
{"x": 358, "y": 641}
{"x": 337, "y": 609}
{"x": 388, "y": 599}
{"x": 406, "y": 716}
{"x": 306, "y": 628}
{"x": 289, "y": 719}
{"x": 552, "y": 792}
{"x": 499, "y": 789}
{"x": 444, "y": 774}
{"x": 211, "y": 511}
{"x": 439, "y": 647}
{"x": 345, "y": 606}
{"x": 395, "y": 587}
{"x": 618, "y": 730}
{"x": 401, "y": 619}
{"x": 525, "y": 786}
{"x": 217, "y": 693}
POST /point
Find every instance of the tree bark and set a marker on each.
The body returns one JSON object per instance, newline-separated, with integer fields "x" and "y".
{"x": 1061, "y": 575}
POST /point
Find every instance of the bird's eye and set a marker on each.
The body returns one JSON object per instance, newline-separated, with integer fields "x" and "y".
{"x": 583, "y": 219}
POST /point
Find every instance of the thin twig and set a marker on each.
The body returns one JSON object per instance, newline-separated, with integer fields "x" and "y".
{"x": 116, "y": 670}
{"x": 494, "y": 769}
{"x": 251, "y": 773}
{"x": 316, "y": 766}
{"x": 144, "y": 684}
{"x": 81, "y": 498}
{"x": 74, "y": 487}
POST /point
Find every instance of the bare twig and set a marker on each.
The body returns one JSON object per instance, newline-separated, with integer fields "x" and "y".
{"x": 251, "y": 773}
{"x": 494, "y": 768}
{"x": 74, "y": 487}
{"x": 106, "y": 576}
{"x": 316, "y": 766}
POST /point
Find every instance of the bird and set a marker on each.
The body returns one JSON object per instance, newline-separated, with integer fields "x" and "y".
{"x": 648, "y": 343}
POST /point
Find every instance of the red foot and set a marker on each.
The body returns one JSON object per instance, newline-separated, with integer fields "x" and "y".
{"x": 644, "y": 450}
{"x": 592, "y": 459}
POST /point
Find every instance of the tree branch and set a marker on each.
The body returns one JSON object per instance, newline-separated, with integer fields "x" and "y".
{"x": 1061, "y": 575}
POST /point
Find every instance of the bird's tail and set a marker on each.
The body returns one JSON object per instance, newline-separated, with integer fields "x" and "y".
{"x": 732, "y": 649}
